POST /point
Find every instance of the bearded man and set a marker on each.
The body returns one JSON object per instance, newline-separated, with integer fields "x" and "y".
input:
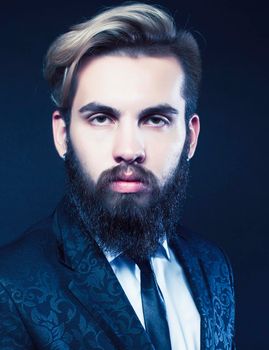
{"x": 112, "y": 267}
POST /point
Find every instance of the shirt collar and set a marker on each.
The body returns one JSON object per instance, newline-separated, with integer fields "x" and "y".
{"x": 162, "y": 251}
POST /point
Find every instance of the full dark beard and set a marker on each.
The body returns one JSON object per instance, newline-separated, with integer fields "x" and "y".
{"x": 133, "y": 223}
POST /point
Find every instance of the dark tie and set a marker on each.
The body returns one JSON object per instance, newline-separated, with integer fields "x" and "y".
{"x": 153, "y": 308}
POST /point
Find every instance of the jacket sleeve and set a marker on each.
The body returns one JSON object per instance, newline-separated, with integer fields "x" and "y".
{"x": 13, "y": 334}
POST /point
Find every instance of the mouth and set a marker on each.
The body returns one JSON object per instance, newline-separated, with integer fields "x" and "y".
{"x": 128, "y": 186}
{"x": 129, "y": 180}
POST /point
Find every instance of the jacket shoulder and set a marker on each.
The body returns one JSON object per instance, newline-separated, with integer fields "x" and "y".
{"x": 34, "y": 245}
{"x": 204, "y": 249}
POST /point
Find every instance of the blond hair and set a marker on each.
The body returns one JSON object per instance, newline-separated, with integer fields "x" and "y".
{"x": 131, "y": 29}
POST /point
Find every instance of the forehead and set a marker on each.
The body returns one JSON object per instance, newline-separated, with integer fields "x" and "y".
{"x": 124, "y": 81}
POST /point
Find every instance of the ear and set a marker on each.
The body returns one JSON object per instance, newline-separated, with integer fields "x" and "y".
{"x": 59, "y": 133}
{"x": 194, "y": 130}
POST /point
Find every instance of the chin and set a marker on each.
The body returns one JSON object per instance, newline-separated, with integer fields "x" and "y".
{"x": 116, "y": 200}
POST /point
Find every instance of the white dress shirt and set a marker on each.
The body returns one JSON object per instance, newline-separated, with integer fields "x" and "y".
{"x": 182, "y": 315}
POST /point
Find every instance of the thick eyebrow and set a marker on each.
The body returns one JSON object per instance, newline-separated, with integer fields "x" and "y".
{"x": 165, "y": 109}
{"x": 95, "y": 107}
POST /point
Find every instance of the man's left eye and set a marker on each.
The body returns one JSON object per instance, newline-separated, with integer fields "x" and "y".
{"x": 157, "y": 121}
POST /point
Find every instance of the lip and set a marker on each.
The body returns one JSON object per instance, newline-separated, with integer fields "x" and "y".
{"x": 128, "y": 186}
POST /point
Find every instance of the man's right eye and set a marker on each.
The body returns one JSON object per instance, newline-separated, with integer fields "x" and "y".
{"x": 100, "y": 119}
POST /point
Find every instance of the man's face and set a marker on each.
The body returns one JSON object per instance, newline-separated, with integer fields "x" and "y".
{"x": 126, "y": 137}
{"x": 129, "y": 110}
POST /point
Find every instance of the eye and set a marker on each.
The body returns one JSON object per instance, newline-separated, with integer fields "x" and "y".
{"x": 100, "y": 119}
{"x": 157, "y": 121}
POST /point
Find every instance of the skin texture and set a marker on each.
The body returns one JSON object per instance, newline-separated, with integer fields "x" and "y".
{"x": 103, "y": 139}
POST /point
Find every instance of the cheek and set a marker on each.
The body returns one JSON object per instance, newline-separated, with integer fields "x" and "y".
{"x": 92, "y": 151}
{"x": 167, "y": 162}
{"x": 164, "y": 155}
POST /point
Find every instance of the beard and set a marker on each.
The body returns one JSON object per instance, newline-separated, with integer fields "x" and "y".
{"x": 130, "y": 223}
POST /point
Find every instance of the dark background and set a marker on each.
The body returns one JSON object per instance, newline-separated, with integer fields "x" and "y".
{"x": 228, "y": 189}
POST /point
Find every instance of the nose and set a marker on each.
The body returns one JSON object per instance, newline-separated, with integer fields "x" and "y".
{"x": 129, "y": 145}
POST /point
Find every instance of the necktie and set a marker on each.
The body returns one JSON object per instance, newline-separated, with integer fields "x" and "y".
{"x": 153, "y": 308}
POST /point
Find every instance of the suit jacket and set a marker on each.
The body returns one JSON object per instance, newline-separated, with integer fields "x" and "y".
{"x": 58, "y": 292}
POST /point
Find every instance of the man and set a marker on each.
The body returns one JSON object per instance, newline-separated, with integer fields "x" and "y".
{"x": 112, "y": 268}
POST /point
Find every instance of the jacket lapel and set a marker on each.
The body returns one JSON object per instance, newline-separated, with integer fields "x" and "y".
{"x": 96, "y": 287}
{"x": 200, "y": 289}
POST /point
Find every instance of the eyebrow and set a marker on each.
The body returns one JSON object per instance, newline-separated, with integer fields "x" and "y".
{"x": 95, "y": 107}
{"x": 164, "y": 108}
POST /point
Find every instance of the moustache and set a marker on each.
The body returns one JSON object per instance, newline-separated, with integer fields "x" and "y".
{"x": 126, "y": 172}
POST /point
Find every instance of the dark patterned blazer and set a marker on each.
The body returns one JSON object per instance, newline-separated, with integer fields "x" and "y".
{"x": 58, "y": 292}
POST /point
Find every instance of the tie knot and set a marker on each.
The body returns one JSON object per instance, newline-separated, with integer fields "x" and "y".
{"x": 144, "y": 265}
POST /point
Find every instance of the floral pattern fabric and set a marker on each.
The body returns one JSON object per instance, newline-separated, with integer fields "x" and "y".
{"x": 58, "y": 292}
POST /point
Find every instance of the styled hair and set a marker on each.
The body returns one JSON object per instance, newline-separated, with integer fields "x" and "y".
{"x": 132, "y": 29}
